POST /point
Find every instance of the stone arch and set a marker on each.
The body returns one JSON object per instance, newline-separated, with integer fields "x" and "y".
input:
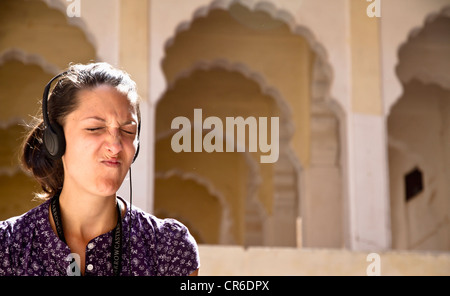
{"x": 286, "y": 123}
{"x": 225, "y": 236}
{"x": 254, "y": 179}
{"x": 43, "y": 28}
{"x": 413, "y": 31}
{"x": 16, "y": 55}
{"x": 327, "y": 112}
{"x": 74, "y": 21}
{"x": 277, "y": 14}
{"x": 287, "y": 189}
{"x": 437, "y": 20}
{"x": 417, "y": 137}
{"x": 28, "y": 58}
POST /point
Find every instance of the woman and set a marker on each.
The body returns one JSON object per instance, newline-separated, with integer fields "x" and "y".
{"x": 80, "y": 153}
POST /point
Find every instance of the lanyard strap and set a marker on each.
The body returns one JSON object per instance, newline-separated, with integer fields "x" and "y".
{"x": 116, "y": 250}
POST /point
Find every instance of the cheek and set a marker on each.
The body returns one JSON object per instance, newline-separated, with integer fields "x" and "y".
{"x": 79, "y": 149}
{"x": 129, "y": 148}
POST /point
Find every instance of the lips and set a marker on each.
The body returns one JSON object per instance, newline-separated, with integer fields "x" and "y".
{"x": 113, "y": 162}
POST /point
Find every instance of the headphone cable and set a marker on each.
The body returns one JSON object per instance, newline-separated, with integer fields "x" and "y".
{"x": 129, "y": 225}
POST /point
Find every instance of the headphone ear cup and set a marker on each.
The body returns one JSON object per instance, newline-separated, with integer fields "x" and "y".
{"x": 54, "y": 141}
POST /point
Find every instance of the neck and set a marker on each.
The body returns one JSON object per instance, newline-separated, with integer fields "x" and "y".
{"x": 87, "y": 216}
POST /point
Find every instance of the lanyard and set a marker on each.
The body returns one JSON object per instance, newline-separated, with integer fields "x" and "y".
{"x": 116, "y": 250}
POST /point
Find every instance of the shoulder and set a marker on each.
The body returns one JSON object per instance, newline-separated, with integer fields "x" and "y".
{"x": 176, "y": 248}
{"x": 165, "y": 230}
{"x": 16, "y": 237}
{"x": 172, "y": 233}
{"x": 12, "y": 227}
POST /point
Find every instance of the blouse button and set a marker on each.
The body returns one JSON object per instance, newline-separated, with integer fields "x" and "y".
{"x": 91, "y": 246}
{"x": 90, "y": 267}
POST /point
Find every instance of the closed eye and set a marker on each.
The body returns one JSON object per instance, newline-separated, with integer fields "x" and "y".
{"x": 129, "y": 132}
{"x": 93, "y": 129}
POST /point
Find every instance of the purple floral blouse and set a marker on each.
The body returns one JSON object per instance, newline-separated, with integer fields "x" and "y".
{"x": 29, "y": 246}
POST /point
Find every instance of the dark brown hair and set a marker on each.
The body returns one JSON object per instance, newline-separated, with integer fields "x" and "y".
{"x": 63, "y": 100}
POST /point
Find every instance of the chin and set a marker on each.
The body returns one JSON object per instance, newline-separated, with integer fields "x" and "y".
{"x": 108, "y": 188}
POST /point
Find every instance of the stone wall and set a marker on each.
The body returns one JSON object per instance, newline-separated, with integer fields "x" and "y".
{"x": 261, "y": 261}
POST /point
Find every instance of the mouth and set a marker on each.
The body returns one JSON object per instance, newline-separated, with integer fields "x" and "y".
{"x": 113, "y": 163}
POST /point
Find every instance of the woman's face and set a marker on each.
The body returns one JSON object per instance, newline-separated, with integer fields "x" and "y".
{"x": 101, "y": 140}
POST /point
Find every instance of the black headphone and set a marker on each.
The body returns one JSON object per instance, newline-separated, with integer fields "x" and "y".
{"x": 54, "y": 139}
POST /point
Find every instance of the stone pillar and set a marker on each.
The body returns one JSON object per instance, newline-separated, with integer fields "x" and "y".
{"x": 368, "y": 201}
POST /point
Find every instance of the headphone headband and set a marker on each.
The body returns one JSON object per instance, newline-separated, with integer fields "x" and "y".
{"x": 54, "y": 140}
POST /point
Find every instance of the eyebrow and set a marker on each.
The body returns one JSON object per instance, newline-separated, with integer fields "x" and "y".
{"x": 132, "y": 121}
{"x": 95, "y": 118}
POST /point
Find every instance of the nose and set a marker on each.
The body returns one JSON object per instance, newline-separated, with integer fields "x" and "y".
{"x": 113, "y": 142}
